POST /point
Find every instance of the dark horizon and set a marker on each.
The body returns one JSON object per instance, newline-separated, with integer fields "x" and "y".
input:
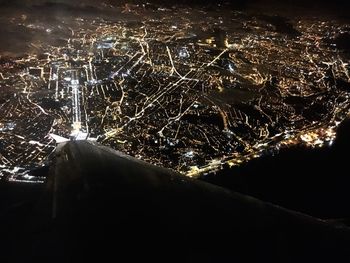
{"x": 338, "y": 8}
{"x": 314, "y": 3}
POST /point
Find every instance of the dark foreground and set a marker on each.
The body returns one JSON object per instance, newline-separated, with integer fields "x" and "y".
{"x": 99, "y": 204}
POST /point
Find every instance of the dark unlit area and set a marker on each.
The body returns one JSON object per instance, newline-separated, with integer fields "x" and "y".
{"x": 313, "y": 181}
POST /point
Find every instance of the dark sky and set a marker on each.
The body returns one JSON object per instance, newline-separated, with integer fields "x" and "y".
{"x": 284, "y": 7}
{"x": 204, "y": 2}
